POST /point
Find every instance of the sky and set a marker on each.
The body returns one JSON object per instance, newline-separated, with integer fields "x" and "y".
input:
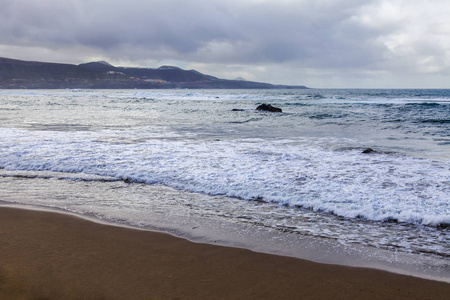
{"x": 317, "y": 43}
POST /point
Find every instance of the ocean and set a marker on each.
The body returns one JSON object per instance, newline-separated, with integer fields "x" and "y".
{"x": 205, "y": 165}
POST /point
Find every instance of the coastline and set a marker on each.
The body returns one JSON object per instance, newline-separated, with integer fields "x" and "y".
{"x": 54, "y": 255}
{"x": 90, "y": 200}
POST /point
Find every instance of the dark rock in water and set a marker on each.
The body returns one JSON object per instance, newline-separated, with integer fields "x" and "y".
{"x": 368, "y": 150}
{"x": 237, "y": 109}
{"x": 268, "y": 107}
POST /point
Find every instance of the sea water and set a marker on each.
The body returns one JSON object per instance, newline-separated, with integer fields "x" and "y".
{"x": 205, "y": 165}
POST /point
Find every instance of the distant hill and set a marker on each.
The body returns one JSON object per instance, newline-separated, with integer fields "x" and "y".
{"x": 18, "y": 74}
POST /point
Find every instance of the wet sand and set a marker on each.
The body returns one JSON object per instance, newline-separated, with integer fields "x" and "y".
{"x": 46, "y": 255}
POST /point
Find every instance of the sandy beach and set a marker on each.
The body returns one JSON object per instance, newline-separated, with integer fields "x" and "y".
{"x": 46, "y": 255}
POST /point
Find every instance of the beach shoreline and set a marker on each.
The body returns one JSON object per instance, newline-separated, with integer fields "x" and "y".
{"x": 54, "y": 255}
{"x": 181, "y": 214}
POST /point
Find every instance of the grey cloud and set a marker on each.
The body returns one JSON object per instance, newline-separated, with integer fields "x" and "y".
{"x": 182, "y": 26}
{"x": 362, "y": 37}
{"x": 273, "y": 32}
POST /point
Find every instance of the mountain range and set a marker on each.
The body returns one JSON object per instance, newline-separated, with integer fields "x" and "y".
{"x": 19, "y": 74}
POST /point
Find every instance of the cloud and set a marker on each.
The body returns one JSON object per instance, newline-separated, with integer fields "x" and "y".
{"x": 352, "y": 38}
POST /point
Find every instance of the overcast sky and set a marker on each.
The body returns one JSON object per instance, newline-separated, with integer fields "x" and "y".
{"x": 317, "y": 43}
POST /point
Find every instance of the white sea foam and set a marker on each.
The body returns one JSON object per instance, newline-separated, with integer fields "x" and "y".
{"x": 345, "y": 183}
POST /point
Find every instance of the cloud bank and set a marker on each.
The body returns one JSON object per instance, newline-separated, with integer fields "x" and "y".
{"x": 330, "y": 43}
